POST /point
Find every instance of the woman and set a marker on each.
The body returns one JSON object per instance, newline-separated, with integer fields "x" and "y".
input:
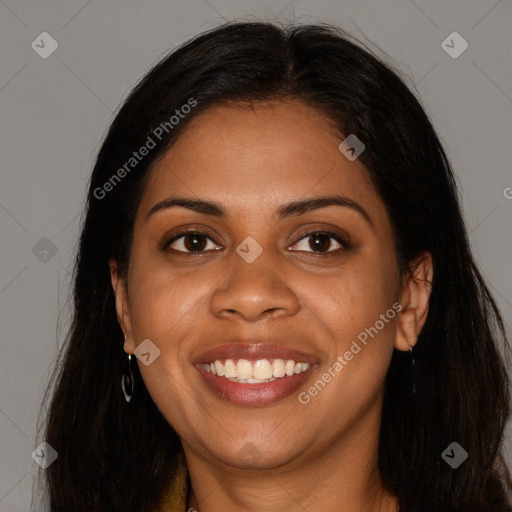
{"x": 276, "y": 306}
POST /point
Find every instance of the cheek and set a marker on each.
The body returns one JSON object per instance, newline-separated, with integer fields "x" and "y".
{"x": 164, "y": 308}
{"x": 360, "y": 332}
{"x": 162, "y": 300}
{"x": 354, "y": 298}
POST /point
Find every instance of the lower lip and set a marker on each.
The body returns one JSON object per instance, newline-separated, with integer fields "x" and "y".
{"x": 254, "y": 394}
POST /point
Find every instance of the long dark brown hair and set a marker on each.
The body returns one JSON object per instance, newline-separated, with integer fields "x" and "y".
{"x": 119, "y": 457}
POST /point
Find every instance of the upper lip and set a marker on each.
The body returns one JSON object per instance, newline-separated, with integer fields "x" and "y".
{"x": 244, "y": 349}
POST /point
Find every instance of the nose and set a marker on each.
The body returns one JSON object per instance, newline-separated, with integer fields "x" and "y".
{"x": 254, "y": 291}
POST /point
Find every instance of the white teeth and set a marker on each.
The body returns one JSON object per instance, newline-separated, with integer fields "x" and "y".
{"x": 301, "y": 367}
{"x": 262, "y": 369}
{"x": 252, "y": 381}
{"x": 278, "y": 368}
{"x": 220, "y": 368}
{"x": 255, "y": 372}
{"x": 243, "y": 369}
{"x": 290, "y": 367}
{"x": 229, "y": 369}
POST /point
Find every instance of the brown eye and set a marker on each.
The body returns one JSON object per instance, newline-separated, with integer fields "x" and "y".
{"x": 194, "y": 242}
{"x": 320, "y": 242}
{"x": 191, "y": 241}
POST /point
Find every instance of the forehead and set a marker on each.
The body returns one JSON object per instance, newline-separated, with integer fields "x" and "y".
{"x": 250, "y": 155}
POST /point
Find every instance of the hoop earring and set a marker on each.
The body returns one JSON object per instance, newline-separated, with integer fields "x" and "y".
{"x": 412, "y": 370}
{"x": 127, "y": 380}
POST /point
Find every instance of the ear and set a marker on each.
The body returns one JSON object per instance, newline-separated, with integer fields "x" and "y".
{"x": 414, "y": 299}
{"x": 122, "y": 311}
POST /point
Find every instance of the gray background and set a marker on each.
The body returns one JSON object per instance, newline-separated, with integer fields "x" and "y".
{"x": 55, "y": 111}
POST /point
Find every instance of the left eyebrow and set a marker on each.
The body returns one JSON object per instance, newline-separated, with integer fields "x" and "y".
{"x": 294, "y": 208}
{"x": 307, "y": 205}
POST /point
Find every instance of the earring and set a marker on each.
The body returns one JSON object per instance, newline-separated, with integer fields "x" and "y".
{"x": 127, "y": 380}
{"x": 412, "y": 370}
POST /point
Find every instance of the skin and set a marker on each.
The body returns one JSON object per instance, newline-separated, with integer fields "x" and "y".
{"x": 321, "y": 456}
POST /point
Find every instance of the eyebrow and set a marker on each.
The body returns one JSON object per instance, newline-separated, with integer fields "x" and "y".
{"x": 294, "y": 208}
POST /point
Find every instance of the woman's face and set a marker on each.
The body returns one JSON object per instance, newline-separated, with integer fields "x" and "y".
{"x": 258, "y": 285}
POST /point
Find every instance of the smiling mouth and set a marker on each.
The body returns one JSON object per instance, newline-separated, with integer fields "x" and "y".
{"x": 257, "y": 371}
{"x": 254, "y": 374}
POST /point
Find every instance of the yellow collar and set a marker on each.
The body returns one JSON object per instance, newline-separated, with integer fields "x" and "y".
{"x": 175, "y": 499}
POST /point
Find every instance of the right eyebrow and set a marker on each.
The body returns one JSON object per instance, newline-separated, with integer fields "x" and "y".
{"x": 197, "y": 205}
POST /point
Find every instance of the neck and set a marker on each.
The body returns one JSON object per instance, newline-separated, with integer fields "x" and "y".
{"x": 343, "y": 476}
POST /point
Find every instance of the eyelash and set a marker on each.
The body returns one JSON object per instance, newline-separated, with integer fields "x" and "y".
{"x": 345, "y": 245}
